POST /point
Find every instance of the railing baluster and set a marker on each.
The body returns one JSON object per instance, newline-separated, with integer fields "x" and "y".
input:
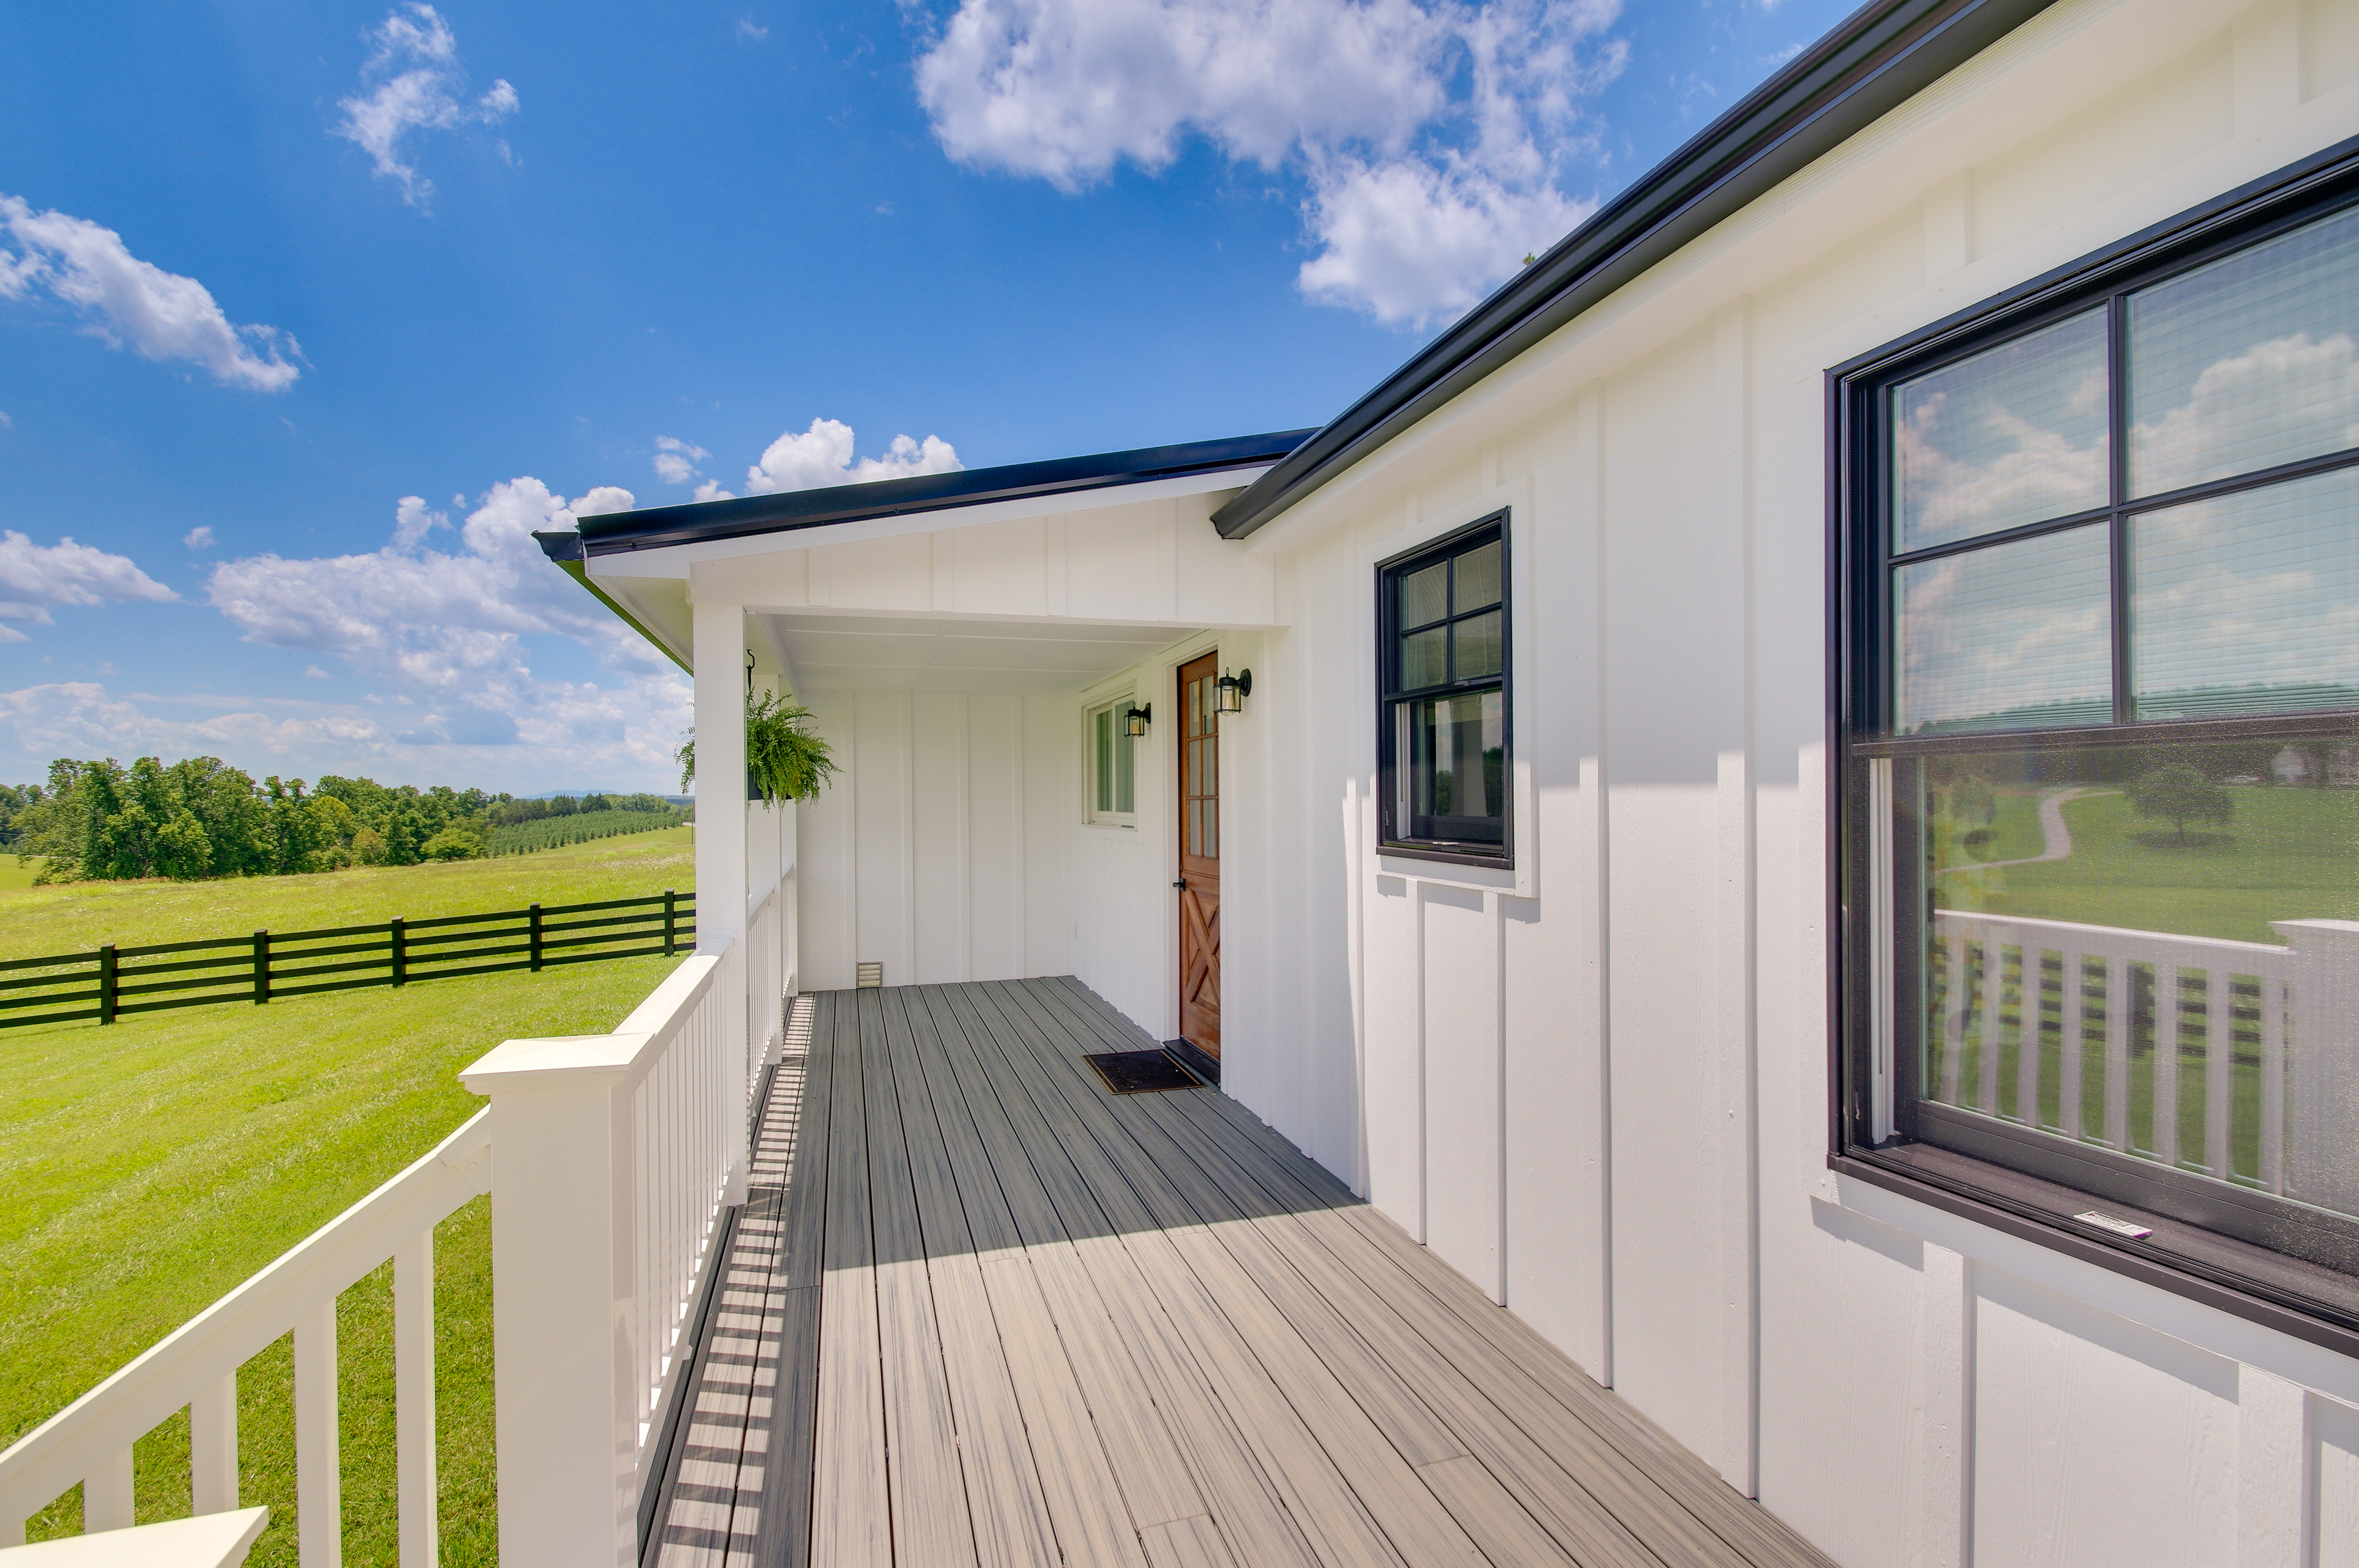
{"x": 2069, "y": 1027}
{"x": 2272, "y": 1084}
{"x": 2219, "y": 1068}
{"x": 2165, "y": 1062}
{"x": 318, "y": 1486}
{"x": 212, "y": 1448}
{"x": 2117, "y": 1053}
{"x": 2030, "y": 1029}
{"x": 414, "y": 1491}
{"x": 1954, "y": 1019}
{"x": 107, "y": 1496}
{"x": 1993, "y": 986}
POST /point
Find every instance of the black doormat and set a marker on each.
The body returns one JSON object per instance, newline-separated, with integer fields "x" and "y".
{"x": 1141, "y": 1072}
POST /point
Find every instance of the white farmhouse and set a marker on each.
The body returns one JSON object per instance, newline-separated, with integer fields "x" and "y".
{"x": 1644, "y": 1132}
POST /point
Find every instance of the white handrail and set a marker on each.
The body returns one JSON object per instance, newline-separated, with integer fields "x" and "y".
{"x": 617, "y": 1153}
{"x": 1970, "y": 995}
{"x": 196, "y": 1365}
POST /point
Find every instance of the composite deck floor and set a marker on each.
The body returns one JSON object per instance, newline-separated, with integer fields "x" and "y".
{"x": 980, "y": 1311}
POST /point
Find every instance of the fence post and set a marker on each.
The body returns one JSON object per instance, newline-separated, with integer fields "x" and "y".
{"x": 261, "y": 968}
{"x": 671, "y": 921}
{"x": 535, "y": 938}
{"x": 400, "y": 953}
{"x": 106, "y": 982}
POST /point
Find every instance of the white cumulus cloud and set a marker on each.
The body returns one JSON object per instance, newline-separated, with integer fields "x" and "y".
{"x": 200, "y": 537}
{"x": 822, "y": 454}
{"x": 676, "y": 459}
{"x": 444, "y": 634}
{"x": 411, "y": 83}
{"x": 36, "y": 578}
{"x": 1432, "y": 136}
{"x": 163, "y": 315}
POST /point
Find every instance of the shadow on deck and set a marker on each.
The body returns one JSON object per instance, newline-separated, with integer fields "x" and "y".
{"x": 994, "y": 1315}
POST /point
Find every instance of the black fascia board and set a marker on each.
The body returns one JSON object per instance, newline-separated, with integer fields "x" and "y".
{"x": 1881, "y": 56}
{"x": 613, "y": 533}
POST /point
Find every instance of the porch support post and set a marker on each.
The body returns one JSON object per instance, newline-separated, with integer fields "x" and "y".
{"x": 564, "y": 1333}
{"x": 720, "y": 656}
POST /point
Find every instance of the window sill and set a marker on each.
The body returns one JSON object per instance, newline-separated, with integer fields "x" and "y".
{"x": 2304, "y": 1299}
{"x": 1440, "y": 854}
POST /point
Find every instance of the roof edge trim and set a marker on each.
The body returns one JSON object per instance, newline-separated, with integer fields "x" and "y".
{"x": 657, "y": 528}
{"x": 563, "y": 547}
{"x": 1883, "y": 54}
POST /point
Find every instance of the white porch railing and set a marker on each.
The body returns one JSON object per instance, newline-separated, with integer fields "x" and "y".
{"x": 615, "y": 1155}
{"x": 765, "y": 985}
{"x": 90, "y": 1439}
{"x": 2284, "y": 1014}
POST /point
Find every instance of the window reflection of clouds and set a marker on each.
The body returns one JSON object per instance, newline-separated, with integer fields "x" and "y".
{"x": 2259, "y": 589}
{"x": 2247, "y": 363}
{"x": 2021, "y": 630}
{"x": 2013, "y": 435}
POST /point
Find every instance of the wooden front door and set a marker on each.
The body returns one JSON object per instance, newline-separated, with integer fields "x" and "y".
{"x": 1200, "y": 857}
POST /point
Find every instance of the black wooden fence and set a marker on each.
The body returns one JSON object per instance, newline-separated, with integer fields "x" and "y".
{"x": 113, "y": 981}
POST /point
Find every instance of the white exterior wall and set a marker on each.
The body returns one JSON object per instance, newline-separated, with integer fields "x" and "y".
{"x": 943, "y": 849}
{"x": 1598, "y": 1085}
{"x": 1601, "y": 1092}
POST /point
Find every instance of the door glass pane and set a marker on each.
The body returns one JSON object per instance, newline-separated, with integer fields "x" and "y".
{"x": 2007, "y": 637}
{"x": 1195, "y": 826}
{"x": 2248, "y": 604}
{"x": 1422, "y": 595}
{"x": 1478, "y": 646}
{"x": 1195, "y": 707}
{"x": 1103, "y": 728}
{"x": 1195, "y": 767}
{"x": 2013, "y": 435}
{"x": 1125, "y": 754}
{"x": 2099, "y": 944}
{"x": 1423, "y": 658}
{"x": 1478, "y": 579}
{"x": 2247, "y": 363}
{"x": 1212, "y": 804}
{"x": 1451, "y": 767}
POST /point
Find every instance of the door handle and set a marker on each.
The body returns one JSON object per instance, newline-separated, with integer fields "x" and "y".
{"x": 1181, "y": 884}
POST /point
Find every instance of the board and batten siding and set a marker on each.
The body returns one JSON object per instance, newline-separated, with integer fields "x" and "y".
{"x": 943, "y": 848}
{"x": 1598, "y": 1088}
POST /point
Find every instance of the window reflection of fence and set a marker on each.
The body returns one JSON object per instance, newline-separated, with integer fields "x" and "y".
{"x": 2175, "y": 1049}
{"x": 110, "y": 981}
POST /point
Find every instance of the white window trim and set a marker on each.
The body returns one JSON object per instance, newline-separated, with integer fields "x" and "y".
{"x": 1127, "y": 821}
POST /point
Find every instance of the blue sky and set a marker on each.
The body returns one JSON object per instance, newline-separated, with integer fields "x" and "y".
{"x": 309, "y": 313}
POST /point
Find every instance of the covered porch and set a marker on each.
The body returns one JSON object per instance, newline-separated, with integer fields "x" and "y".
{"x": 978, "y": 1310}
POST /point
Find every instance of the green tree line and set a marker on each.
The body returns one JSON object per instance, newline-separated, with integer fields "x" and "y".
{"x": 201, "y": 818}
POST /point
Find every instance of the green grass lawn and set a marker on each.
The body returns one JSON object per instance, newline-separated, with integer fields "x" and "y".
{"x": 148, "y": 1167}
{"x": 77, "y": 916}
{"x": 2288, "y": 854}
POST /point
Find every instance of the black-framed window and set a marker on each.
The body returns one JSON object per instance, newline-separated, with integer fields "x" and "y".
{"x": 1442, "y": 722}
{"x": 2098, "y": 701}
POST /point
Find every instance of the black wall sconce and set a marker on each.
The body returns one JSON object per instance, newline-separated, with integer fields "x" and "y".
{"x": 1231, "y": 691}
{"x": 1134, "y": 722}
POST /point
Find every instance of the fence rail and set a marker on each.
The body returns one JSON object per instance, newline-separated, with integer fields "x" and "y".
{"x": 111, "y": 982}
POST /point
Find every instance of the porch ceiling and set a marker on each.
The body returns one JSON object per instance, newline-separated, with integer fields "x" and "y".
{"x": 877, "y": 652}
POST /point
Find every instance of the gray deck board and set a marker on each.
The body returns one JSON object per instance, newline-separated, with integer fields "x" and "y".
{"x": 1021, "y": 1321}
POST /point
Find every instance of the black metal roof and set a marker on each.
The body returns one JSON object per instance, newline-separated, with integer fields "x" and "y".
{"x": 1881, "y": 56}
{"x": 614, "y": 532}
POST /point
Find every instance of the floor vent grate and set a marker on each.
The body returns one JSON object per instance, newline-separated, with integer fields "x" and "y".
{"x": 1141, "y": 1072}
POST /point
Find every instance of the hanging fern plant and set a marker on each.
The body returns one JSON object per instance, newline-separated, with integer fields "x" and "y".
{"x": 786, "y": 759}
